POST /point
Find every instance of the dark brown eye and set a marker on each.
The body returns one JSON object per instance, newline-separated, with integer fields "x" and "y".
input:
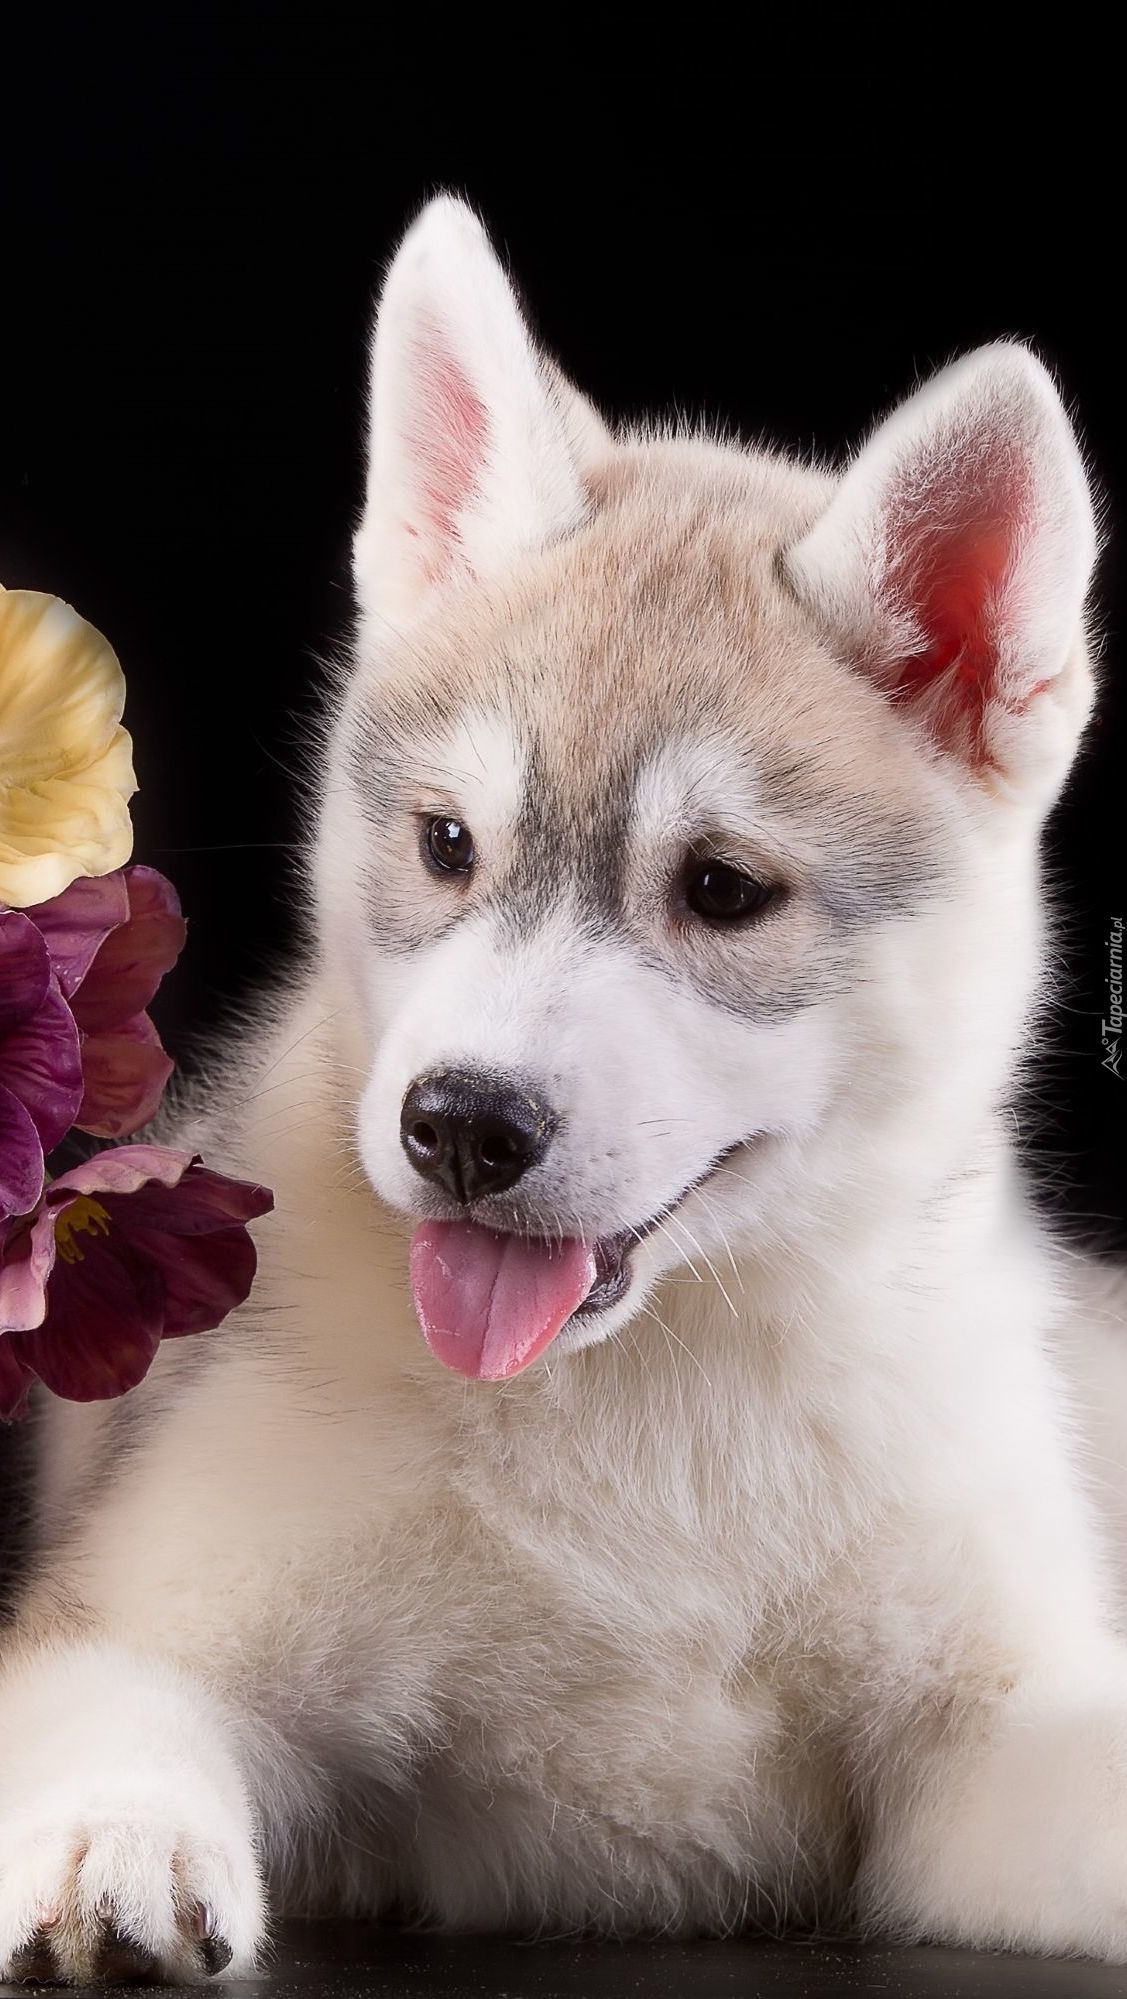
{"x": 449, "y": 846}
{"x": 723, "y": 894}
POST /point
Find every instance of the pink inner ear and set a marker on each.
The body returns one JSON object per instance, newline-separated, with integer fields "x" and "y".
{"x": 447, "y": 438}
{"x": 950, "y": 555}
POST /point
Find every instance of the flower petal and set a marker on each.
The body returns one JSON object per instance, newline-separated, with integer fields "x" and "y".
{"x": 41, "y": 1065}
{"x": 124, "y": 1074}
{"x": 136, "y": 1243}
{"x": 21, "y": 1159}
{"x": 65, "y": 765}
{"x": 27, "y": 1257}
{"x": 39, "y": 1059}
{"x": 102, "y": 1328}
{"x": 75, "y": 924}
{"x": 61, "y": 688}
{"x": 68, "y": 826}
{"x": 122, "y": 1171}
{"x": 149, "y": 1174}
{"x": 205, "y": 1276}
{"x": 133, "y": 960}
{"x": 183, "y": 1220}
{"x": 203, "y": 1201}
{"x": 16, "y": 1382}
{"x": 25, "y": 970}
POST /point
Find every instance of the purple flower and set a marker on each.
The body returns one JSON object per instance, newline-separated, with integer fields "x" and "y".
{"x": 40, "y": 1066}
{"x": 16, "y": 1382}
{"x": 111, "y": 942}
{"x": 138, "y": 1245}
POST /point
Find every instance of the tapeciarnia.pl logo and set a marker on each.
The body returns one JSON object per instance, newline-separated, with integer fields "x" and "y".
{"x": 1111, "y": 1028}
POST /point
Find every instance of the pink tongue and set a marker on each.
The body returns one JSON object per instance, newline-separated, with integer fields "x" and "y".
{"x": 487, "y": 1303}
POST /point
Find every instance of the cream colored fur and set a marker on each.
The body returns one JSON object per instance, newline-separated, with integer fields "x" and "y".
{"x": 789, "y": 1589}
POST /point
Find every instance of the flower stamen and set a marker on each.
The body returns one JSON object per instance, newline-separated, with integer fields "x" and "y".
{"x": 85, "y": 1216}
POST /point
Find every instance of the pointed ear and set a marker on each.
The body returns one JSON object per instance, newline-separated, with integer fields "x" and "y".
{"x": 953, "y": 564}
{"x": 478, "y": 444}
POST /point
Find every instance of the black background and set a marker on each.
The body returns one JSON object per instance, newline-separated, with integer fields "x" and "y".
{"x": 197, "y": 212}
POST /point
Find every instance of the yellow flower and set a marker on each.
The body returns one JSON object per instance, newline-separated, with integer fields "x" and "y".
{"x": 66, "y": 771}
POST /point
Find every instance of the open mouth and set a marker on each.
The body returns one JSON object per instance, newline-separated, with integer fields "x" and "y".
{"x": 490, "y": 1301}
{"x": 612, "y": 1269}
{"x": 612, "y": 1252}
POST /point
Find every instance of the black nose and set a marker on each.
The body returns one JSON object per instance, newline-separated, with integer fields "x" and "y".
{"x": 475, "y": 1135}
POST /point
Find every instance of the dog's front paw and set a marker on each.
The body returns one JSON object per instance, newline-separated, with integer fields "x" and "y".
{"x": 128, "y": 1895}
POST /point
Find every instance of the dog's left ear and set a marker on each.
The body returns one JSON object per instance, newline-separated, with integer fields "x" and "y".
{"x": 953, "y": 562}
{"x": 478, "y": 444}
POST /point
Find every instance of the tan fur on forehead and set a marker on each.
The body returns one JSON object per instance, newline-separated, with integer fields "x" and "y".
{"x": 665, "y": 612}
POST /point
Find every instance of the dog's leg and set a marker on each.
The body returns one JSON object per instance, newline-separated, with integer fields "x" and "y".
{"x": 1013, "y": 1835}
{"x": 126, "y": 1837}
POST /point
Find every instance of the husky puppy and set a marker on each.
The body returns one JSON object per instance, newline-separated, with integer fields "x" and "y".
{"x": 666, "y": 1480}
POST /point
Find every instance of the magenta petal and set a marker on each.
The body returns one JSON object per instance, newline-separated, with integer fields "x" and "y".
{"x": 39, "y": 1059}
{"x": 135, "y": 1244}
{"x": 40, "y": 1063}
{"x": 149, "y": 1174}
{"x": 205, "y": 1276}
{"x": 203, "y": 1201}
{"x": 133, "y": 960}
{"x": 21, "y": 1158}
{"x": 25, "y": 970}
{"x": 75, "y": 924}
{"x": 124, "y": 1073}
{"x": 16, "y": 1382}
{"x": 102, "y": 1328}
{"x": 27, "y": 1256}
{"x": 122, "y": 1171}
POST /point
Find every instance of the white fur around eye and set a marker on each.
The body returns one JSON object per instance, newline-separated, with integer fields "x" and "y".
{"x": 686, "y": 784}
{"x": 477, "y": 770}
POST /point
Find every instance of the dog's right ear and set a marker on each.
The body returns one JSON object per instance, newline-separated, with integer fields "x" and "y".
{"x": 477, "y": 444}
{"x": 952, "y": 566}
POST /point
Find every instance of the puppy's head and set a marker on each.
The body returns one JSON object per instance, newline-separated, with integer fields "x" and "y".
{"x": 679, "y": 846}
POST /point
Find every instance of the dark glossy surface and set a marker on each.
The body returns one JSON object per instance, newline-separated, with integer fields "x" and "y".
{"x": 347, "y": 1960}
